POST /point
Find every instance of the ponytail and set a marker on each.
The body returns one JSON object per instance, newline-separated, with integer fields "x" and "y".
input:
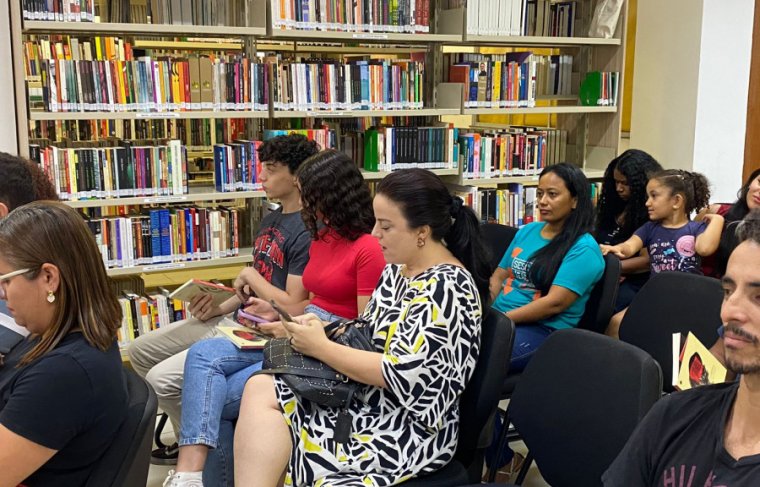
{"x": 465, "y": 241}
{"x": 693, "y": 186}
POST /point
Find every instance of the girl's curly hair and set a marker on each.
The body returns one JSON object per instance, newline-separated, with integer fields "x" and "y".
{"x": 693, "y": 186}
{"x": 334, "y": 192}
{"x": 22, "y": 182}
{"x": 637, "y": 166}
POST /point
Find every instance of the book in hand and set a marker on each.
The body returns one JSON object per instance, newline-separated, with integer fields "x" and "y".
{"x": 244, "y": 338}
{"x": 694, "y": 365}
{"x": 193, "y": 287}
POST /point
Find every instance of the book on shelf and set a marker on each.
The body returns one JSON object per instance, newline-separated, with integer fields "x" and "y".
{"x": 59, "y": 10}
{"x": 391, "y": 148}
{"x": 167, "y": 235}
{"x": 324, "y": 137}
{"x": 326, "y": 84}
{"x": 237, "y": 166}
{"x": 599, "y": 88}
{"x": 243, "y": 338}
{"x": 123, "y": 169}
{"x": 192, "y": 288}
{"x": 541, "y": 18}
{"x": 693, "y": 364}
{"x": 370, "y": 16}
{"x": 515, "y": 151}
{"x": 144, "y": 312}
{"x": 104, "y": 74}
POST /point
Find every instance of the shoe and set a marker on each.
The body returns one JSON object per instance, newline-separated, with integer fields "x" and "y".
{"x": 504, "y": 474}
{"x": 183, "y": 479}
{"x": 165, "y": 456}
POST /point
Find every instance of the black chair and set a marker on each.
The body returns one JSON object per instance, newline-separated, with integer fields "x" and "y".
{"x": 477, "y": 406}
{"x": 497, "y": 237}
{"x": 126, "y": 461}
{"x": 601, "y": 303}
{"x": 578, "y": 401}
{"x": 672, "y": 302}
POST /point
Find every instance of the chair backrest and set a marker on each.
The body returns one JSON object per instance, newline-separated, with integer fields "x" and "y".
{"x": 672, "y": 302}
{"x": 126, "y": 461}
{"x": 481, "y": 396}
{"x": 601, "y": 304}
{"x": 579, "y": 400}
{"x": 497, "y": 237}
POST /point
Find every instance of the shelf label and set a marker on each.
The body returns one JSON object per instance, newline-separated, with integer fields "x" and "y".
{"x": 328, "y": 114}
{"x": 164, "y": 199}
{"x": 161, "y": 267}
{"x": 370, "y": 35}
{"x": 158, "y": 115}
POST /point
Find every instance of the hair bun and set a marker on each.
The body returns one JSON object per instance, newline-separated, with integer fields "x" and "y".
{"x": 456, "y": 206}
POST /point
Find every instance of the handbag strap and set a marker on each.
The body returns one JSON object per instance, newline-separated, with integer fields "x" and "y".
{"x": 316, "y": 374}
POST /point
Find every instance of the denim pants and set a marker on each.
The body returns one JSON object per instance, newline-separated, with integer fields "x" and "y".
{"x": 528, "y": 338}
{"x": 216, "y": 372}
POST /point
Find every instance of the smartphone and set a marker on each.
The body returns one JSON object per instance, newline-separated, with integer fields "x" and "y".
{"x": 284, "y": 316}
{"x": 250, "y": 317}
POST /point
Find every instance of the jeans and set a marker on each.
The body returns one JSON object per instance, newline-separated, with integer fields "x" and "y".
{"x": 215, "y": 375}
{"x": 528, "y": 338}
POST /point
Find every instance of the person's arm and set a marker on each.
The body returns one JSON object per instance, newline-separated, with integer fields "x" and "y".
{"x": 627, "y": 249}
{"x": 557, "y": 300}
{"x": 708, "y": 241}
{"x": 710, "y": 210}
{"x": 293, "y": 293}
{"x": 19, "y": 457}
{"x": 370, "y": 264}
{"x": 494, "y": 285}
{"x": 635, "y": 265}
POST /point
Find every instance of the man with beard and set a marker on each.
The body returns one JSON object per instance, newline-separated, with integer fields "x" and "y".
{"x": 710, "y": 435}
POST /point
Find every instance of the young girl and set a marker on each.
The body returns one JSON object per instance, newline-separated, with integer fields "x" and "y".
{"x": 674, "y": 242}
{"x": 621, "y": 210}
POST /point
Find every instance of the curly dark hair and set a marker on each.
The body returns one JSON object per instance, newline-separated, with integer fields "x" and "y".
{"x": 740, "y": 208}
{"x": 22, "y": 182}
{"x": 637, "y": 166}
{"x": 693, "y": 186}
{"x": 333, "y": 187}
{"x": 290, "y": 150}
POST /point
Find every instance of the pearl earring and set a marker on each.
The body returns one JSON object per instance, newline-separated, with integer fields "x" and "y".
{"x": 50, "y": 297}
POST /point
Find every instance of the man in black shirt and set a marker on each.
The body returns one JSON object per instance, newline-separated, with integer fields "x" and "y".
{"x": 709, "y": 436}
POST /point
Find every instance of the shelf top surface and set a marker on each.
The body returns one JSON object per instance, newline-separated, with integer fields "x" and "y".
{"x": 243, "y": 258}
{"x": 40, "y": 115}
{"x": 38, "y": 26}
{"x": 196, "y": 194}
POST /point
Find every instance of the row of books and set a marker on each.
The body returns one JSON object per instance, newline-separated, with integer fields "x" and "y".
{"x": 195, "y": 12}
{"x": 237, "y": 166}
{"x": 322, "y": 84}
{"x": 165, "y": 235}
{"x": 144, "y": 313}
{"x": 518, "y": 17}
{"x": 600, "y": 88}
{"x": 128, "y": 169}
{"x": 59, "y": 10}
{"x": 398, "y": 16}
{"x": 517, "y": 151}
{"x": 391, "y": 148}
{"x": 154, "y": 85}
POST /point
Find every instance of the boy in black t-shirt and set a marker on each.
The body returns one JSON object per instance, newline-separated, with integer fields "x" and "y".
{"x": 709, "y": 436}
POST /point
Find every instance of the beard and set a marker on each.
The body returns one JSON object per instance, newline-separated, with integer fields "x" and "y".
{"x": 734, "y": 363}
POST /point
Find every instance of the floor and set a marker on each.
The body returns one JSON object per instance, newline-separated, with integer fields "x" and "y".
{"x": 157, "y": 473}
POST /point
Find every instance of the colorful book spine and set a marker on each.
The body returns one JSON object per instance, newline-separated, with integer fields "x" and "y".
{"x": 360, "y": 16}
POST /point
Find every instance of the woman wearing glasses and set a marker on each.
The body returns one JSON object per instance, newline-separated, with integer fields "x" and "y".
{"x": 67, "y": 397}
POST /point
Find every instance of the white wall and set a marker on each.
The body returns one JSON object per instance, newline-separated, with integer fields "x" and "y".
{"x": 7, "y": 102}
{"x": 723, "y": 89}
{"x": 691, "y": 76}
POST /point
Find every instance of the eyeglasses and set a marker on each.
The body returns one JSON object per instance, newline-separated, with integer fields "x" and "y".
{"x": 5, "y": 279}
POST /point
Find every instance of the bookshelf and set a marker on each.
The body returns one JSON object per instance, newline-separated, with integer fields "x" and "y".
{"x": 242, "y": 259}
{"x": 197, "y": 194}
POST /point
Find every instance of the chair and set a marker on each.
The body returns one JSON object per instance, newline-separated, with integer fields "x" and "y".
{"x": 125, "y": 462}
{"x": 672, "y": 302}
{"x": 578, "y": 401}
{"x": 497, "y": 237}
{"x": 601, "y": 303}
{"x": 477, "y": 406}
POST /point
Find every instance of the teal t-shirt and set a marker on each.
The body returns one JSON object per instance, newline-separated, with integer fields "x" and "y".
{"x": 581, "y": 268}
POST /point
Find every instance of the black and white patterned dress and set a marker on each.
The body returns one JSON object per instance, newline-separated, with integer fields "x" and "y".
{"x": 428, "y": 329}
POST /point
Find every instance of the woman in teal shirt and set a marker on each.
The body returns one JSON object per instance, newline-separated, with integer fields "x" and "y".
{"x": 551, "y": 266}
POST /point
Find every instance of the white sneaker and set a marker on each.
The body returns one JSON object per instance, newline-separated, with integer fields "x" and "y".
{"x": 184, "y": 479}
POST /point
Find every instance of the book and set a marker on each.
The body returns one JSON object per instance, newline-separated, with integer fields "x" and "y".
{"x": 243, "y": 338}
{"x": 193, "y": 287}
{"x": 694, "y": 365}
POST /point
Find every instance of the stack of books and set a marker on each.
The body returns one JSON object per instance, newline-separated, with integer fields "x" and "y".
{"x": 397, "y": 16}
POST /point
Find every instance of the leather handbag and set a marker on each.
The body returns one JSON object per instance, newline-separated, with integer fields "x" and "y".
{"x": 316, "y": 381}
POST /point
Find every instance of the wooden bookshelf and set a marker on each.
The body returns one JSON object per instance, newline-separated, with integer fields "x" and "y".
{"x": 538, "y": 110}
{"x": 524, "y": 180}
{"x": 40, "y": 115}
{"x": 528, "y": 41}
{"x": 45, "y": 27}
{"x": 196, "y": 194}
{"x": 243, "y": 258}
{"x": 380, "y": 37}
{"x": 423, "y": 112}
{"x": 376, "y": 176}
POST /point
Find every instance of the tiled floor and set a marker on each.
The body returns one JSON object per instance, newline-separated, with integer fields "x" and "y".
{"x": 157, "y": 473}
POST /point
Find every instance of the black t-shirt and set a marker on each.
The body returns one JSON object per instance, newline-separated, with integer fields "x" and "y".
{"x": 680, "y": 443}
{"x": 281, "y": 247}
{"x": 72, "y": 399}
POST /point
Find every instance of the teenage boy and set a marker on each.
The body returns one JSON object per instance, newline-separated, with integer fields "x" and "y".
{"x": 280, "y": 253}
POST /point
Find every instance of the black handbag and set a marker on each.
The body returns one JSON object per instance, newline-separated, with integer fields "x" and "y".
{"x": 316, "y": 381}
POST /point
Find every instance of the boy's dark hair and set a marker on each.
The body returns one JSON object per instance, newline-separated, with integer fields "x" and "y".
{"x": 290, "y": 150}
{"x": 693, "y": 186}
{"x": 637, "y": 166}
{"x": 22, "y": 182}
{"x": 749, "y": 228}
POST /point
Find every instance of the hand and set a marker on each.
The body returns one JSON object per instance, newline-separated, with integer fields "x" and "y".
{"x": 612, "y": 249}
{"x": 713, "y": 217}
{"x": 259, "y": 307}
{"x": 308, "y": 335}
{"x": 202, "y": 308}
{"x": 241, "y": 284}
{"x": 273, "y": 329}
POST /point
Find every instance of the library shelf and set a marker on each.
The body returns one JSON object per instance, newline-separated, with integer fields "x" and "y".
{"x": 40, "y": 115}
{"x": 377, "y": 175}
{"x": 525, "y": 180}
{"x": 244, "y": 257}
{"x": 539, "y": 110}
{"x": 475, "y": 40}
{"x": 45, "y": 27}
{"x": 196, "y": 194}
{"x": 332, "y": 36}
{"x": 423, "y": 112}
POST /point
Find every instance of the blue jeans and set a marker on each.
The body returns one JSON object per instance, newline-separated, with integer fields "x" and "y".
{"x": 215, "y": 375}
{"x": 528, "y": 338}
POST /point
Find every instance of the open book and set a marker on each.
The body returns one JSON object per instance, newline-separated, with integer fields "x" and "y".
{"x": 193, "y": 287}
{"x": 693, "y": 364}
{"x": 244, "y": 338}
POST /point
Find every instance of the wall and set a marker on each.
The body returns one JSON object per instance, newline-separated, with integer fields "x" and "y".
{"x": 7, "y": 102}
